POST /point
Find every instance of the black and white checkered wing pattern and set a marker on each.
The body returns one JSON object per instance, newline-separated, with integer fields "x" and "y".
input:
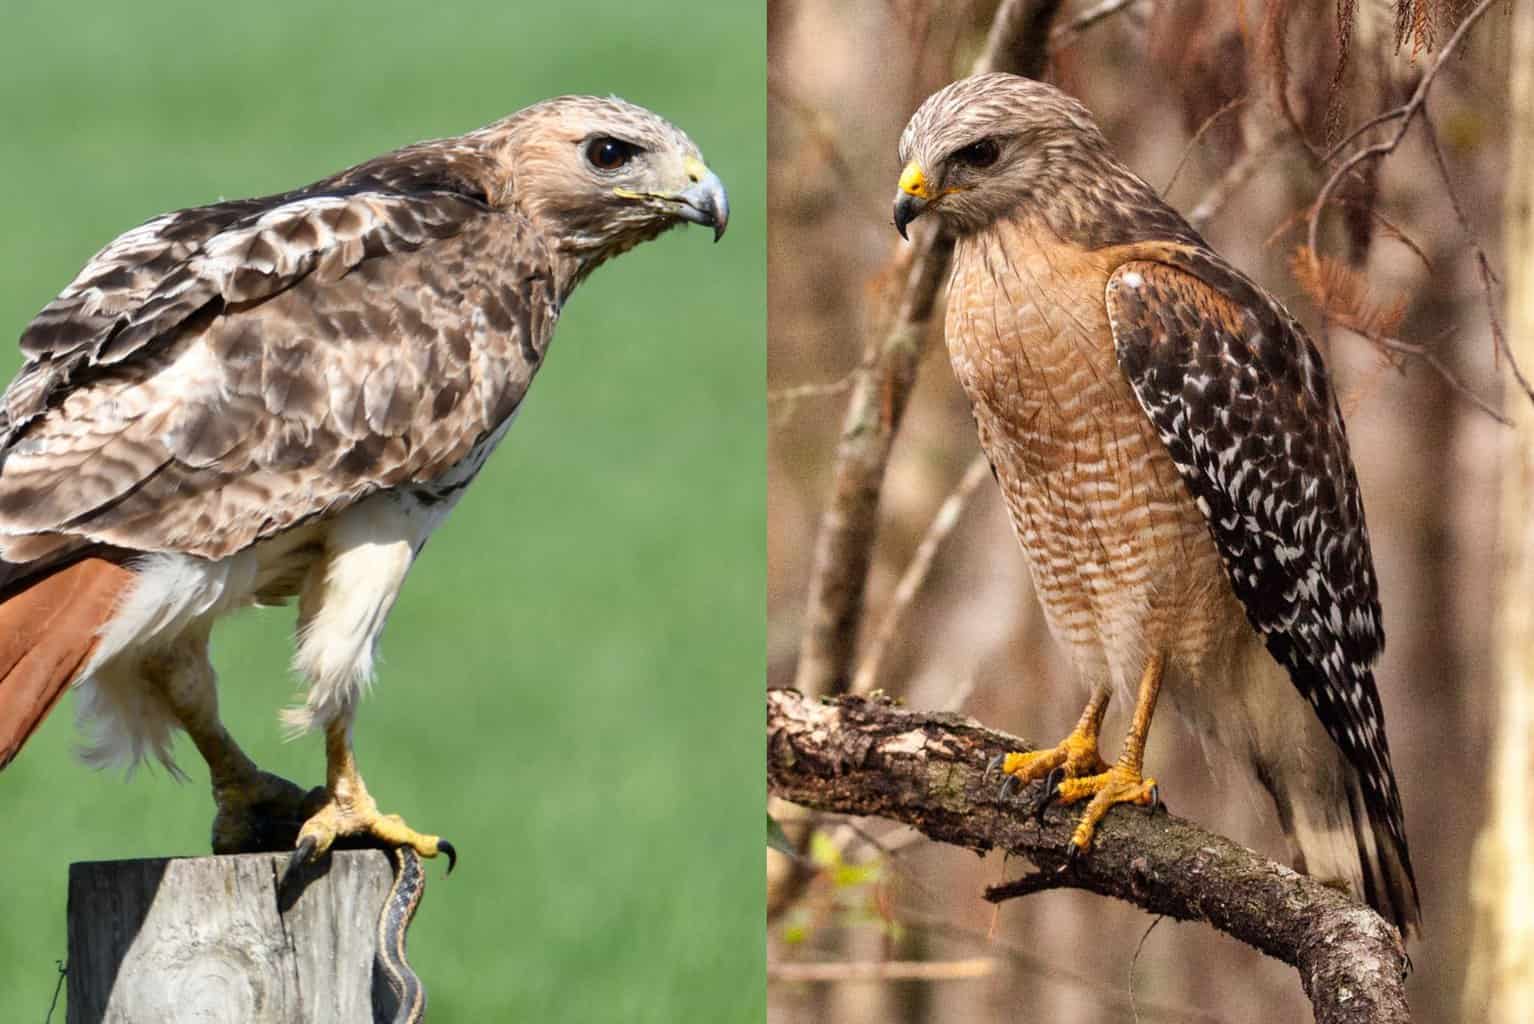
{"x": 1240, "y": 397}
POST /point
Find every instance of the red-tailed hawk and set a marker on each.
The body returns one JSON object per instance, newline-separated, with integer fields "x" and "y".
{"x": 1173, "y": 460}
{"x": 283, "y": 397}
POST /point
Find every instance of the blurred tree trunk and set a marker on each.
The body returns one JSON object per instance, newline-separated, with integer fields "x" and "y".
{"x": 1500, "y": 984}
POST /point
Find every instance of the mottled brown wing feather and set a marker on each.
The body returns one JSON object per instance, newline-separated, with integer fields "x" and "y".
{"x": 298, "y": 359}
{"x": 1240, "y": 397}
{"x": 147, "y": 276}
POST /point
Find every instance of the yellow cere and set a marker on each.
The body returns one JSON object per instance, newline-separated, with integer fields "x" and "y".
{"x": 696, "y": 169}
{"x": 914, "y": 182}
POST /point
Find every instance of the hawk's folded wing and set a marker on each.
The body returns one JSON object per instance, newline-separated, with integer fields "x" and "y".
{"x": 220, "y": 374}
{"x": 1237, "y": 393}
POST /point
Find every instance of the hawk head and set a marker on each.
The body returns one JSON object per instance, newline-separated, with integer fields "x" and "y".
{"x": 986, "y": 146}
{"x": 602, "y": 175}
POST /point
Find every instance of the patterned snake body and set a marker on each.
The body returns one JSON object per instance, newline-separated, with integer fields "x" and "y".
{"x": 394, "y": 920}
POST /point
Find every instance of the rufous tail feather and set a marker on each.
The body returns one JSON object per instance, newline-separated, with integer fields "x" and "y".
{"x": 48, "y": 630}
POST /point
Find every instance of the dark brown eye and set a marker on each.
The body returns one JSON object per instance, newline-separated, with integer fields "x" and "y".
{"x": 978, "y": 154}
{"x": 608, "y": 154}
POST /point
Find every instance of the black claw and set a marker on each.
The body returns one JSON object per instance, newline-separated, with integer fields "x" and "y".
{"x": 1072, "y": 853}
{"x": 443, "y": 846}
{"x": 1155, "y": 801}
{"x": 1009, "y": 787}
{"x": 298, "y": 858}
{"x": 993, "y": 766}
{"x": 1051, "y": 791}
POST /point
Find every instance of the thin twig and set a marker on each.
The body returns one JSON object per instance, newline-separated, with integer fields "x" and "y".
{"x": 1395, "y": 231}
{"x": 1483, "y": 262}
{"x": 1428, "y": 356}
{"x": 1052, "y": 970}
{"x": 1027, "y": 884}
{"x": 1198, "y": 136}
{"x": 915, "y": 574}
{"x": 787, "y": 399}
{"x": 1403, "y": 115}
{"x": 1066, "y": 34}
{"x": 1237, "y": 175}
{"x": 58, "y": 986}
{"x": 822, "y": 134}
{"x": 883, "y": 970}
{"x": 1139, "y": 946}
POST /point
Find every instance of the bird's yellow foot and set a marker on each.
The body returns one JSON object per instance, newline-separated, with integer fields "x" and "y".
{"x": 1074, "y": 756}
{"x": 1118, "y": 785}
{"x": 355, "y": 816}
{"x": 259, "y": 812}
{"x": 347, "y": 812}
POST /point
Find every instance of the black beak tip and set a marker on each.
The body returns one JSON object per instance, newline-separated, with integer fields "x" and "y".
{"x": 907, "y": 209}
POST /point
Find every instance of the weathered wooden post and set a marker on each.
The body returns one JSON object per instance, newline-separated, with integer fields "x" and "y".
{"x": 213, "y": 939}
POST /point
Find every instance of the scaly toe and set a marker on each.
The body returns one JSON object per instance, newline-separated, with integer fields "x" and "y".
{"x": 1073, "y": 757}
{"x": 361, "y": 824}
{"x": 1116, "y": 786}
{"x": 1033, "y": 765}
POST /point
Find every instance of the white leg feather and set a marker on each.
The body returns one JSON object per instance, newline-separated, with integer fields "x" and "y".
{"x": 346, "y": 600}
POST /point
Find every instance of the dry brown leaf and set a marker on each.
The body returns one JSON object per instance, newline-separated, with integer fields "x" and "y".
{"x": 1343, "y": 295}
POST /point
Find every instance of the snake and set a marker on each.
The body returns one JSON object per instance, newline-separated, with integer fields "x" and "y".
{"x": 399, "y": 908}
{"x": 393, "y": 921}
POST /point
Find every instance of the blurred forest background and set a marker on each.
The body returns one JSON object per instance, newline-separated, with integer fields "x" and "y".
{"x": 1228, "y": 107}
{"x": 575, "y": 643}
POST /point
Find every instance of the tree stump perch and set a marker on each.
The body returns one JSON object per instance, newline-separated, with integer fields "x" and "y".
{"x": 213, "y": 939}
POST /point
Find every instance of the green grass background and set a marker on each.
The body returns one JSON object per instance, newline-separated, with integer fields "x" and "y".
{"x": 571, "y": 680}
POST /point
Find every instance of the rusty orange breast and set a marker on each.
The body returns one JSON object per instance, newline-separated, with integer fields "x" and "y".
{"x": 1119, "y": 553}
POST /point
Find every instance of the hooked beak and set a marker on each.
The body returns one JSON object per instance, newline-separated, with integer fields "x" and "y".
{"x": 907, "y": 209}
{"x": 705, "y": 202}
{"x": 913, "y": 199}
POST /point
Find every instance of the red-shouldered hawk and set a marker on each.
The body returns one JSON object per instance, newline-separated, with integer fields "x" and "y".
{"x": 283, "y": 397}
{"x": 1174, "y": 462}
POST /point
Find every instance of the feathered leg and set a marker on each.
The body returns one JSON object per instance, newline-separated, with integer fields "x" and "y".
{"x": 342, "y": 610}
{"x": 257, "y": 811}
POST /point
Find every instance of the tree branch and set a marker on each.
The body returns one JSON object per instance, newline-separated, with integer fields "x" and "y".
{"x": 869, "y": 757}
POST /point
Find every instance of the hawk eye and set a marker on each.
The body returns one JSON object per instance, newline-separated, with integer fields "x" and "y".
{"x": 606, "y": 153}
{"x": 978, "y": 154}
